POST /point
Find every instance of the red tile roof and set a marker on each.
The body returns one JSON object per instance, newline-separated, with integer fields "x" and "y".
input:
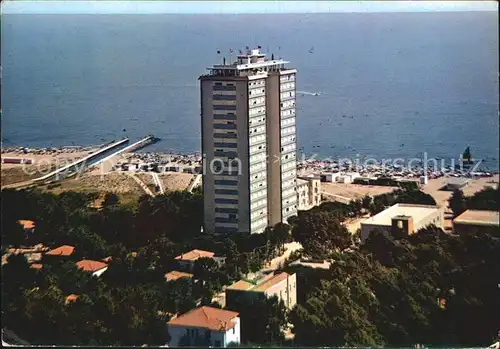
{"x": 64, "y": 250}
{"x": 107, "y": 259}
{"x": 36, "y": 266}
{"x": 71, "y": 298}
{"x": 89, "y": 265}
{"x": 194, "y": 255}
{"x": 175, "y": 275}
{"x": 26, "y": 223}
{"x": 207, "y": 317}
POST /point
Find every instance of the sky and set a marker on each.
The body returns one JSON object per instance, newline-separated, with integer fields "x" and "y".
{"x": 237, "y": 7}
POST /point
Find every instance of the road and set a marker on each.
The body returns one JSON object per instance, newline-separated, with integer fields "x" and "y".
{"x": 141, "y": 184}
{"x": 157, "y": 181}
{"x": 338, "y": 198}
{"x": 194, "y": 183}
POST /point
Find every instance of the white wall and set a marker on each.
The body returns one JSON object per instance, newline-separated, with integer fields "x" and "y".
{"x": 177, "y": 332}
{"x": 99, "y": 272}
{"x": 233, "y": 337}
{"x": 285, "y": 290}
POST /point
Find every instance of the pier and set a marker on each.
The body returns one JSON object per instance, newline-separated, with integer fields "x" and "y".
{"x": 102, "y": 155}
{"x": 70, "y": 169}
{"x": 135, "y": 146}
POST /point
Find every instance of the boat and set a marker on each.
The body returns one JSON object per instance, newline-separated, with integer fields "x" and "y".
{"x": 466, "y": 156}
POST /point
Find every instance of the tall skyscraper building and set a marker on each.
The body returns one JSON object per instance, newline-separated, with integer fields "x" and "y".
{"x": 248, "y": 144}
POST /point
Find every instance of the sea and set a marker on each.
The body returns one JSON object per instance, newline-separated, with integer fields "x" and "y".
{"x": 378, "y": 85}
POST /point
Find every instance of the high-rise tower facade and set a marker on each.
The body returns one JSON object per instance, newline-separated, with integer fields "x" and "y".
{"x": 248, "y": 144}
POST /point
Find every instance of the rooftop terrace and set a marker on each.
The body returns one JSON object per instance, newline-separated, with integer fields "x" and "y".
{"x": 416, "y": 211}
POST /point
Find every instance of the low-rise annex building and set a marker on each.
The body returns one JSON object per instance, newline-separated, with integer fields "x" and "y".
{"x": 282, "y": 285}
{"x": 476, "y": 221}
{"x": 407, "y": 218}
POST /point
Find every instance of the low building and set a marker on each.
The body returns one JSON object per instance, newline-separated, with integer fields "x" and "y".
{"x": 187, "y": 260}
{"x": 312, "y": 264}
{"x": 94, "y": 267}
{"x": 176, "y": 275}
{"x": 475, "y": 221}
{"x": 205, "y": 326}
{"x": 28, "y": 226}
{"x": 61, "y": 251}
{"x": 308, "y": 192}
{"x": 329, "y": 177}
{"x": 407, "y": 218}
{"x": 282, "y": 285}
{"x": 424, "y": 180}
{"x": 348, "y": 177}
{"x": 455, "y": 183}
{"x": 32, "y": 254}
{"x": 71, "y": 298}
{"x": 107, "y": 260}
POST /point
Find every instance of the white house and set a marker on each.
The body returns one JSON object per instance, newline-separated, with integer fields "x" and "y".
{"x": 205, "y": 326}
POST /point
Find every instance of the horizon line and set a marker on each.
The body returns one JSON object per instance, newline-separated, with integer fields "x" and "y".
{"x": 240, "y": 7}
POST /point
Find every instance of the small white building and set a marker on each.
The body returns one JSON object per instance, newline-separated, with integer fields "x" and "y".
{"x": 205, "y": 326}
{"x": 347, "y": 177}
{"x": 329, "y": 176}
{"x": 423, "y": 180}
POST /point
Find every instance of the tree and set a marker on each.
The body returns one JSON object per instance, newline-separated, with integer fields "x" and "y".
{"x": 206, "y": 269}
{"x": 457, "y": 202}
{"x": 320, "y": 233}
{"x": 110, "y": 199}
{"x": 366, "y": 202}
{"x": 356, "y": 206}
{"x": 12, "y": 232}
{"x": 262, "y": 319}
{"x": 333, "y": 316}
{"x": 486, "y": 199}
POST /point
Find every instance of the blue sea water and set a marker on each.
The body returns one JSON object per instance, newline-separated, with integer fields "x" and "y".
{"x": 390, "y": 84}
